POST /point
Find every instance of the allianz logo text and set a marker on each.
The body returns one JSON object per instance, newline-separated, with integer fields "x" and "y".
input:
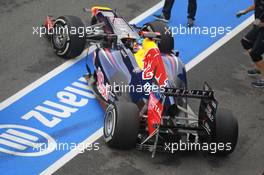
{"x": 25, "y": 141}
{"x": 20, "y": 140}
{"x": 69, "y": 98}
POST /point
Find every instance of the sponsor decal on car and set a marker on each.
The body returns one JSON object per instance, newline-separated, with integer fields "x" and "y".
{"x": 153, "y": 64}
{"x": 102, "y": 88}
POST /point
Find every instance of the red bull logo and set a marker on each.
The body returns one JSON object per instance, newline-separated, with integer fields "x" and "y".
{"x": 153, "y": 62}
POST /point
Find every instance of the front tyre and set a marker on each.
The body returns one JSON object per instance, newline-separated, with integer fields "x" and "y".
{"x": 121, "y": 125}
{"x": 68, "y": 38}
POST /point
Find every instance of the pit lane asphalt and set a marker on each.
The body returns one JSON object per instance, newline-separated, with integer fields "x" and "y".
{"x": 24, "y": 58}
{"x": 225, "y": 71}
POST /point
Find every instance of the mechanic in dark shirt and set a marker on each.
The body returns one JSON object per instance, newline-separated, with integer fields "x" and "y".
{"x": 166, "y": 12}
{"x": 253, "y": 42}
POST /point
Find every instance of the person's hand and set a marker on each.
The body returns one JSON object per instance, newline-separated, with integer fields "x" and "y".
{"x": 241, "y": 13}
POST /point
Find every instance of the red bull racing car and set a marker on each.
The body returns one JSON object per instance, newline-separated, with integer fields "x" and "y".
{"x": 142, "y": 84}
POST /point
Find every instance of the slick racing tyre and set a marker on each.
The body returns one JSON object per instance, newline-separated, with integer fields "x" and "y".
{"x": 166, "y": 44}
{"x": 226, "y": 133}
{"x": 121, "y": 125}
{"x": 68, "y": 38}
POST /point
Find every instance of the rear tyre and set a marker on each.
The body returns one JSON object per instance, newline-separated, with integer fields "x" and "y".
{"x": 166, "y": 44}
{"x": 121, "y": 125}
{"x": 226, "y": 134}
{"x": 68, "y": 38}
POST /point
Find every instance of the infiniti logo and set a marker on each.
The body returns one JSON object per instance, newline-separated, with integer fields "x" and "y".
{"x": 21, "y": 140}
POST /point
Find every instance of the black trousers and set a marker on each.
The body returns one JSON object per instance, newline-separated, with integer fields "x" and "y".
{"x": 192, "y": 8}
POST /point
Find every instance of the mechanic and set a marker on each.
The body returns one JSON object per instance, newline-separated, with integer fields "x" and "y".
{"x": 253, "y": 42}
{"x": 166, "y": 12}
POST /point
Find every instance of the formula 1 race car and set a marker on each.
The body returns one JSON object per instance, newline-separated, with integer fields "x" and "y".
{"x": 142, "y": 84}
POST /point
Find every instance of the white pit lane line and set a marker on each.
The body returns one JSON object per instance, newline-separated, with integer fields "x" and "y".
{"x": 99, "y": 133}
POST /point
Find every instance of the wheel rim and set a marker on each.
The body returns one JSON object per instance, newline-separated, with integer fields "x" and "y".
{"x": 60, "y": 37}
{"x": 109, "y": 124}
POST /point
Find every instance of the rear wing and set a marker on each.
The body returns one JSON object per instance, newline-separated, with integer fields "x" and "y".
{"x": 208, "y": 105}
{"x": 206, "y": 93}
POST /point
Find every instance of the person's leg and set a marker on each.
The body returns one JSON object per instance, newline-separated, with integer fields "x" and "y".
{"x": 256, "y": 55}
{"x": 247, "y": 43}
{"x": 167, "y": 8}
{"x": 192, "y": 8}
{"x": 260, "y": 66}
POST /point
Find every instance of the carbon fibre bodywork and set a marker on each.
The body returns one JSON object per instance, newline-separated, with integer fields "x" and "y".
{"x": 116, "y": 64}
{"x": 119, "y": 67}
